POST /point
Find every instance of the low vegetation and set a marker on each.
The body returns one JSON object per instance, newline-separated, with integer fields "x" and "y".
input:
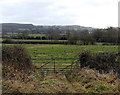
{"x": 69, "y": 52}
{"x": 102, "y": 61}
{"x": 83, "y": 80}
{"x": 17, "y": 57}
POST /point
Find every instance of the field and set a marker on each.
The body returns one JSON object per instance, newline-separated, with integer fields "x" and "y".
{"x": 36, "y": 40}
{"x": 16, "y": 34}
{"x": 37, "y": 35}
{"x": 65, "y": 51}
{"x": 62, "y": 55}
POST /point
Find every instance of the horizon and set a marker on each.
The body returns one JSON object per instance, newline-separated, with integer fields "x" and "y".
{"x": 56, "y": 25}
{"x": 96, "y": 13}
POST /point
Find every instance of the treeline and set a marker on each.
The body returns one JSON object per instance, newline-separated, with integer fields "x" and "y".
{"x": 82, "y": 37}
{"x": 109, "y": 35}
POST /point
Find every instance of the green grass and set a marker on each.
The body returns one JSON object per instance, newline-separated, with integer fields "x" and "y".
{"x": 15, "y": 34}
{"x": 63, "y": 54}
{"x": 37, "y": 40}
{"x": 37, "y": 35}
{"x": 1, "y": 39}
{"x": 68, "y": 52}
{"x": 99, "y": 43}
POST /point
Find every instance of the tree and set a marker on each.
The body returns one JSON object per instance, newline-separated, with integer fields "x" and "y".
{"x": 110, "y": 35}
{"x": 97, "y": 35}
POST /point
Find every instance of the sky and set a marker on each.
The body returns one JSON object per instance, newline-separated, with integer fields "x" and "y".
{"x": 89, "y": 13}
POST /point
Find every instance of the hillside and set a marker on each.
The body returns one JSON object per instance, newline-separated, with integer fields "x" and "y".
{"x": 15, "y": 27}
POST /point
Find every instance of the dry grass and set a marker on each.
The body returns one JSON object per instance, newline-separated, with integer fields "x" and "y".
{"x": 81, "y": 81}
{"x": 94, "y": 82}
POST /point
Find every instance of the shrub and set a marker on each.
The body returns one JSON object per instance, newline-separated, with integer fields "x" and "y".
{"x": 17, "y": 56}
{"x": 103, "y": 61}
{"x": 86, "y": 59}
{"x": 106, "y": 60}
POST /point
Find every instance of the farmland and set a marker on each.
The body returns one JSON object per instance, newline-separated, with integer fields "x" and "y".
{"x": 35, "y": 40}
{"x": 66, "y": 53}
{"x": 48, "y": 51}
{"x": 81, "y": 61}
{"x": 69, "y": 51}
{"x": 61, "y": 55}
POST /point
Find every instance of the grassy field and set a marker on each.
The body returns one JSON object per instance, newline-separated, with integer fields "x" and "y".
{"x": 16, "y": 34}
{"x": 1, "y": 39}
{"x": 38, "y": 40}
{"x": 63, "y": 54}
{"x": 67, "y": 51}
{"x": 31, "y": 40}
{"x": 37, "y": 35}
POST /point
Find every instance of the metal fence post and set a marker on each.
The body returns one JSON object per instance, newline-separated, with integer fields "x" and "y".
{"x": 54, "y": 64}
{"x": 53, "y": 59}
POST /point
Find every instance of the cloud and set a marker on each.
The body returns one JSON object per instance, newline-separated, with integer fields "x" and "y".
{"x": 94, "y": 13}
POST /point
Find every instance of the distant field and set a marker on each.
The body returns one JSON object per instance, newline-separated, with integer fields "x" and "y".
{"x": 1, "y": 39}
{"x": 36, "y": 40}
{"x": 15, "y": 34}
{"x": 27, "y": 40}
{"x": 37, "y": 35}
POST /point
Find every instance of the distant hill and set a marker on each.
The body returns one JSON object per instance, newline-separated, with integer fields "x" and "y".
{"x": 15, "y": 27}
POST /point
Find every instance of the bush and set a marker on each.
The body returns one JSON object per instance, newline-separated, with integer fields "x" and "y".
{"x": 16, "y": 56}
{"x": 84, "y": 58}
{"x": 103, "y": 61}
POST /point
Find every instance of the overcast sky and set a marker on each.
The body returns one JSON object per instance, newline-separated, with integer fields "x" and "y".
{"x": 90, "y": 13}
